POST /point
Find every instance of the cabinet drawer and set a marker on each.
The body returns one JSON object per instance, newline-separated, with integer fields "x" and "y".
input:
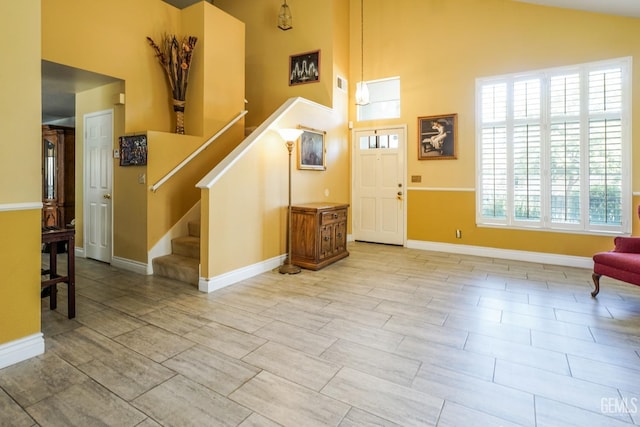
{"x": 333, "y": 216}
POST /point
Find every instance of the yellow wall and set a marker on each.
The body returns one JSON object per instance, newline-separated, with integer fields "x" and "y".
{"x": 217, "y": 82}
{"x": 248, "y": 204}
{"x": 116, "y": 45}
{"x": 435, "y": 215}
{"x": 269, "y": 49}
{"x": 20, "y": 103}
{"x": 110, "y": 38}
{"x": 253, "y": 225}
{"x": 20, "y": 286}
{"x": 179, "y": 193}
{"x": 20, "y": 170}
{"x": 252, "y": 195}
{"x": 438, "y": 49}
{"x": 91, "y": 101}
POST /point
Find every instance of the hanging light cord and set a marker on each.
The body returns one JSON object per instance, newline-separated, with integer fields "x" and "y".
{"x": 362, "y": 40}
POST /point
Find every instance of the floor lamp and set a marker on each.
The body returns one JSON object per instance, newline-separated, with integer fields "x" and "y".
{"x": 290, "y": 136}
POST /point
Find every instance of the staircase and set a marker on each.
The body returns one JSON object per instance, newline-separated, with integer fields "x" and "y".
{"x": 183, "y": 262}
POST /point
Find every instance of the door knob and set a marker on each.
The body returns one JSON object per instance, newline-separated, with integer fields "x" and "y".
{"x": 106, "y": 196}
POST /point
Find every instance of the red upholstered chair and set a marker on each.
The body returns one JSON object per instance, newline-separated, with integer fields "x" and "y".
{"x": 622, "y": 263}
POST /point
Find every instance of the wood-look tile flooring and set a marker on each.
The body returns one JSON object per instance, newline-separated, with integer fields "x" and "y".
{"x": 388, "y": 337}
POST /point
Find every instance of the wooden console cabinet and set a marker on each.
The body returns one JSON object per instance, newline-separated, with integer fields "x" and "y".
{"x": 318, "y": 234}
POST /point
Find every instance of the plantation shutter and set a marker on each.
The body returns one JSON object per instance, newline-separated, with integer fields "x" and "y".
{"x": 605, "y": 146}
{"x": 565, "y": 182}
{"x": 554, "y": 149}
{"x": 527, "y": 150}
{"x": 494, "y": 151}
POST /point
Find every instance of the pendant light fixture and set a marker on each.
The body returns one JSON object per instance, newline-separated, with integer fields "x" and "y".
{"x": 362, "y": 91}
{"x": 284, "y": 17}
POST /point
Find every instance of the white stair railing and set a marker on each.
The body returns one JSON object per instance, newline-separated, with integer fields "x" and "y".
{"x": 193, "y": 155}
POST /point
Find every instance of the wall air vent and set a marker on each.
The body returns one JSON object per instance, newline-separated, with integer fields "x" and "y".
{"x": 341, "y": 83}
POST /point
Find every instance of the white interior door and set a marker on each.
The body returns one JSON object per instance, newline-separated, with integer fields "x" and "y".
{"x": 98, "y": 166}
{"x": 379, "y": 185}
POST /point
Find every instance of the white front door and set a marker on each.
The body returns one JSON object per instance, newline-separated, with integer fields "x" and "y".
{"x": 379, "y": 185}
{"x": 98, "y": 166}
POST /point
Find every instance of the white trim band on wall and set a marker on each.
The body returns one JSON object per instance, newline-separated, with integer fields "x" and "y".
{"x": 5, "y": 207}
{"x": 469, "y": 190}
{"x": 635, "y": 193}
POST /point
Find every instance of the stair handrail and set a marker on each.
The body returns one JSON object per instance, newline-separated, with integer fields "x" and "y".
{"x": 193, "y": 155}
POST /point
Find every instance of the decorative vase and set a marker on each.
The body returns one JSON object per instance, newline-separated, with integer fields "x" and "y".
{"x": 175, "y": 58}
{"x": 178, "y": 107}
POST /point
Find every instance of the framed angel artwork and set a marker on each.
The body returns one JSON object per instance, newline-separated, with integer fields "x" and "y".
{"x": 437, "y": 137}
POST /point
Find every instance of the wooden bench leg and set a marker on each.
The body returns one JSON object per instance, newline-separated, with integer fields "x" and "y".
{"x": 596, "y": 282}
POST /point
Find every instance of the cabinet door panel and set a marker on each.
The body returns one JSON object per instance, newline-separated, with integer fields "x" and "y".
{"x": 340, "y": 236}
{"x": 326, "y": 241}
{"x": 304, "y": 230}
{"x": 49, "y": 216}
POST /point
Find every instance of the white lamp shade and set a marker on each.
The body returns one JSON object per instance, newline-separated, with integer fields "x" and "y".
{"x": 290, "y": 134}
{"x": 362, "y": 93}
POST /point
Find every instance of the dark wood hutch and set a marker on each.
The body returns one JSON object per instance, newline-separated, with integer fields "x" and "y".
{"x": 58, "y": 176}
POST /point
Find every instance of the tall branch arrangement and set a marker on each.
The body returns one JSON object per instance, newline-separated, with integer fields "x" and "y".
{"x": 175, "y": 58}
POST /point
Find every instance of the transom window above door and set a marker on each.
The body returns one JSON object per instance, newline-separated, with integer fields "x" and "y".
{"x": 370, "y": 142}
{"x": 384, "y": 100}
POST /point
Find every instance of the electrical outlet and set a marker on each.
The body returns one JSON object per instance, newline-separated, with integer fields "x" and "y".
{"x": 458, "y": 234}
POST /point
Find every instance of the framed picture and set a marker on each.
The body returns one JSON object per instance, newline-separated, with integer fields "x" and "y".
{"x": 437, "y": 137}
{"x": 311, "y": 150}
{"x": 304, "y": 68}
{"x": 133, "y": 150}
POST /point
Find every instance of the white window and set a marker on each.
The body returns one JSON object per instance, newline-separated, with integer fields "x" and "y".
{"x": 384, "y": 100}
{"x": 554, "y": 149}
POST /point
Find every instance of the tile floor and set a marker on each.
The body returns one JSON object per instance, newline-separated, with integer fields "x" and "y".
{"x": 388, "y": 337}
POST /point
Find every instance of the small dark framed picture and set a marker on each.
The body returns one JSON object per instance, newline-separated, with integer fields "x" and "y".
{"x": 304, "y": 68}
{"x": 311, "y": 150}
{"x": 437, "y": 137}
{"x": 133, "y": 150}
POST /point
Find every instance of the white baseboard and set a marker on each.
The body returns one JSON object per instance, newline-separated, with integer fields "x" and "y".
{"x": 130, "y": 265}
{"x": 79, "y": 252}
{"x": 539, "y": 257}
{"x": 21, "y": 349}
{"x": 226, "y": 279}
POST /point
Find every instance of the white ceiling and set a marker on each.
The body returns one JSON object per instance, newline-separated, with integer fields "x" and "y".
{"x": 181, "y": 4}
{"x": 60, "y": 83}
{"x": 59, "y": 87}
{"x": 612, "y": 7}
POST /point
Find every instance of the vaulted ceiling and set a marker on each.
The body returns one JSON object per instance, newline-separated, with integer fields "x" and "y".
{"x": 60, "y": 84}
{"x": 613, "y": 7}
